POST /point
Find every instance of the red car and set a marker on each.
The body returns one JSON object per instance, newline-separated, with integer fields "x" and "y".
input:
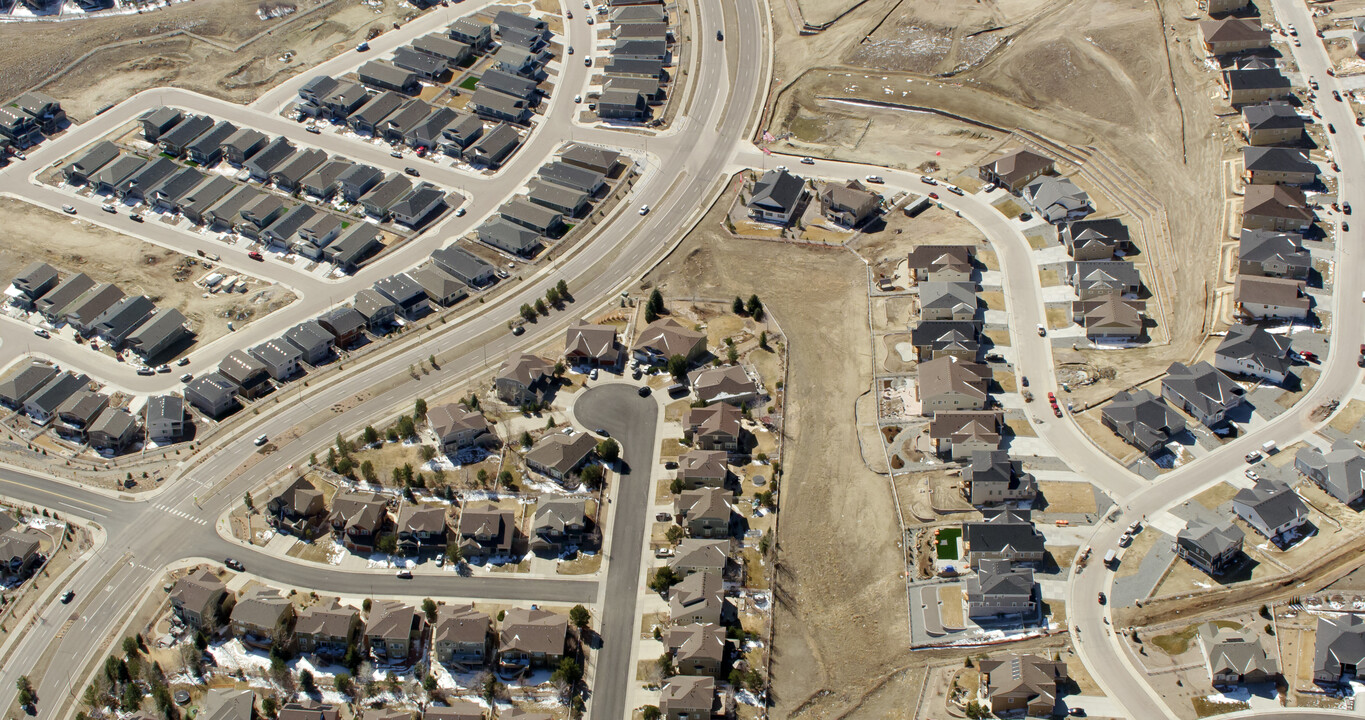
{"x": 256, "y": 255}
{"x": 933, "y": 195}
{"x": 1309, "y": 356}
{"x": 1056, "y": 411}
{"x": 1052, "y": 398}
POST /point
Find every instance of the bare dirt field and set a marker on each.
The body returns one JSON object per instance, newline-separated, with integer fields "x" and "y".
{"x": 136, "y": 267}
{"x": 197, "y": 46}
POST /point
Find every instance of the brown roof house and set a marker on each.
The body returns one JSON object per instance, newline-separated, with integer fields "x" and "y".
{"x": 1275, "y": 207}
{"x": 559, "y": 456}
{"x": 716, "y": 427}
{"x": 849, "y": 205}
{"x": 1232, "y": 35}
{"x": 1272, "y": 123}
{"x": 393, "y": 630}
{"x": 699, "y": 555}
{"x": 1015, "y": 170}
{"x": 327, "y": 628}
{"x": 196, "y": 597}
{"x": 462, "y": 635}
{"x": 457, "y": 710}
{"x": 688, "y": 697}
{"x": 455, "y": 428}
{"x": 486, "y": 532}
{"x": 1022, "y": 682}
{"x": 297, "y": 509}
{"x": 946, "y": 383}
{"x": 728, "y": 384}
{"x": 703, "y": 468}
{"x": 20, "y": 553}
{"x": 524, "y": 380}
{"x": 1109, "y": 316}
{"x": 666, "y": 337}
{"x": 592, "y": 345}
{"x": 262, "y": 617}
{"x": 532, "y": 637}
{"x": 358, "y": 518}
{"x": 945, "y": 263}
{"x": 959, "y": 433}
{"x": 559, "y": 524}
{"x": 421, "y": 528}
{"x": 699, "y": 598}
{"x": 696, "y": 649}
{"x": 309, "y": 710}
{"x": 1271, "y": 297}
{"x": 705, "y": 513}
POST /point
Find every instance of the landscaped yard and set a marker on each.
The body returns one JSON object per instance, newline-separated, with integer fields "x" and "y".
{"x": 946, "y": 544}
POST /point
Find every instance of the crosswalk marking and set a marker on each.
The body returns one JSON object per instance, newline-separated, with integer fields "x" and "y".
{"x": 180, "y": 514}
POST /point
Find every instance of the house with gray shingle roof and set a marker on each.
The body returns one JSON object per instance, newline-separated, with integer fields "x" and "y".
{"x": 1201, "y": 390}
{"x": 1271, "y": 508}
{"x": 1235, "y": 656}
{"x": 776, "y": 197}
{"x": 1340, "y": 471}
{"x": 1142, "y": 420}
{"x": 1057, "y": 199}
{"x": 1339, "y": 649}
{"x": 1272, "y": 254}
{"x": 1211, "y": 546}
{"x": 166, "y": 328}
{"x": 1250, "y": 350}
{"x": 999, "y": 588}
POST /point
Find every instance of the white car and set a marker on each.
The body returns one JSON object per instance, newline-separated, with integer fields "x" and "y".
{"x": 877, "y": 179}
{"x": 261, "y": 440}
{"x": 41, "y": 333}
{"x": 644, "y": 209}
{"x": 577, "y": 99}
{"x": 593, "y": 374}
{"x": 928, "y": 180}
{"x": 1292, "y": 31}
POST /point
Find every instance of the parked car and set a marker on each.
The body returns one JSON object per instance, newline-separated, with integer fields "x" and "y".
{"x": 234, "y": 565}
{"x": 261, "y": 440}
{"x": 1025, "y": 217}
{"x": 186, "y": 377}
{"x": 807, "y": 161}
{"x": 256, "y": 255}
{"x": 69, "y": 209}
{"x": 593, "y": 375}
{"x": 587, "y": 62}
{"x": 663, "y": 517}
{"x": 313, "y": 129}
{"x": 182, "y": 362}
{"x": 1346, "y": 208}
{"x": 1253, "y": 457}
{"x": 1024, "y": 381}
{"x": 41, "y": 333}
{"x": 362, "y": 47}
{"x": 109, "y": 208}
{"x": 145, "y": 371}
{"x": 411, "y": 171}
{"x": 933, "y": 196}
{"x": 404, "y": 574}
{"x": 927, "y": 180}
{"x": 135, "y": 217}
{"x": 1102, "y": 598}
{"x": 644, "y": 209}
{"x": 720, "y": 35}
{"x": 876, "y": 179}
{"x": 1042, "y": 331}
{"x": 643, "y": 391}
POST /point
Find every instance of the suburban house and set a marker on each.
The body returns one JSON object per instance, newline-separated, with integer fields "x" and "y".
{"x": 490, "y": 149}
{"x": 1022, "y": 682}
{"x": 17, "y": 389}
{"x": 262, "y": 617}
{"x": 1340, "y": 471}
{"x": 566, "y": 201}
{"x": 196, "y": 204}
{"x": 77, "y": 413}
{"x": 849, "y": 205}
{"x": 197, "y": 597}
{"x": 703, "y": 468}
{"x": 53, "y": 303}
{"x": 465, "y": 710}
{"x": 185, "y": 132}
{"x": 33, "y": 282}
{"x": 559, "y": 456}
{"x": 455, "y": 428}
{"x": 688, "y": 697}
{"x": 1210, "y": 546}
{"x": 280, "y": 358}
{"x": 947, "y": 301}
{"x": 517, "y": 239}
{"x": 327, "y": 628}
{"x": 213, "y": 394}
{"x": 1003, "y": 535}
{"x": 716, "y": 427}
{"x": 113, "y": 431}
{"x": 393, "y": 629}
{"x": 727, "y": 383}
{"x": 477, "y": 35}
{"x": 384, "y": 195}
{"x": 453, "y": 52}
{"x": 592, "y": 345}
{"x": 1273, "y": 254}
{"x": 425, "y": 66}
{"x": 992, "y": 477}
{"x": 41, "y": 407}
{"x": 308, "y": 710}
{"x": 122, "y": 318}
{"x": 1231, "y": 35}
{"x": 419, "y": 204}
{"x": 1201, "y": 390}
{"x": 1271, "y": 297}
{"x": 421, "y": 528}
{"x": 1015, "y": 170}
{"x": 469, "y": 268}
{"x": 695, "y": 555}
{"x": 1271, "y": 508}
{"x": 312, "y": 339}
{"x": 1219, "y": 7}
{"x": 622, "y": 103}
{"x": 1095, "y": 279}
{"x": 1277, "y": 165}
{"x": 947, "y": 383}
{"x": 937, "y": 338}
{"x": 532, "y": 637}
{"x": 241, "y": 145}
{"x": 696, "y": 649}
{"x": 462, "y": 636}
{"x": 356, "y": 180}
{"x": 537, "y": 218}
{"x": 1250, "y": 350}
{"x": 1273, "y": 123}
{"x": 1234, "y": 657}
{"x": 591, "y": 157}
{"x": 1275, "y": 207}
{"x": 1099, "y": 239}
{"x": 247, "y": 373}
{"x": 1142, "y": 419}
{"x": 1339, "y": 649}
{"x": 273, "y": 155}
{"x": 486, "y": 532}
{"x": 341, "y": 327}
{"x": 665, "y": 338}
{"x": 698, "y": 599}
{"x": 289, "y": 176}
{"x": 559, "y": 525}
{"x": 358, "y": 518}
{"x": 207, "y": 149}
{"x": 298, "y": 508}
{"x": 20, "y": 553}
{"x": 353, "y": 247}
{"x": 1109, "y": 316}
{"x": 377, "y": 310}
{"x": 102, "y": 153}
{"x": 705, "y": 512}
{"x": 321, "y": 183}
{"x": 1057, "y": 199}
{"x": 998, "y": 588}
{"x": 776, "y": 197}
{"x": 524, "y": 380}
{"x": 405, "y": 293}
{"x": 164, "y": 418}
{"x": 387, "y": 76}
{"x": 959, "y": 434}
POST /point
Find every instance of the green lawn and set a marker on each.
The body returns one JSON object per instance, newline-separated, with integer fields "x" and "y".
{"x": 947, "y": 543}
{"x": 470, "y": 83}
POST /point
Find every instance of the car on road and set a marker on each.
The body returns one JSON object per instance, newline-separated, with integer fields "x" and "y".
{"x": 182, "y": 362}
{"x": 67, "y": 597}
{"x": 933, "y": 195}
{"x": 1346, "y": 208}
{"x": 1345, "y": 226}
{"x": 1251, "y": 475}
{"x": 41, "y": 333}
{"x": 1042, "y": 332}
{"x": 362, "y": 47}
{"x": 1308, "y": 356}
{"x": 517, "y": 329}
{"x": 395, "y": 153}
{"x": 1024, "y": 381}
{"x": 876, "y": 179}
{"x": 720, "y": 35}
{"x": 1025, "y": 217}
{"x": 109, "y": 208}
{"x": 569, "y": 14}
{"x": 1102, "y": 598}
{"x": 603, "y": 432}
{"x": 1312, "y": 82}
{"x": 1253, "y": 457}
{"x": 135, "y": 217}
{"x": 261, "y": 440}
{"x": 955, "y": 190}
{"x": 1336, "y": 96}
{"x": 927, "y": 180}
{"x": 570, "y": 49}
{"x": 644, "y": 209}
{"x": 313, "y": 129}
{"x": 163, "y": 368}
{"x": 1056, "y": 411}
{"x": 644, "y": 391}
{"x": 234, "y": 565}
{"x": 587, "y": 6}
{"x": 1291, "y": 29}
{"x": 590, "y": 21}
{"x": 412, "y": 171}
{"x": 502, "y": 274}
{"x": 460, "y": 212}
{"x": 1052, "y": 398}
{"x": 1330, "y": 128}
{"x": 1076, "y": 712}
{"x": 577, "y": 99}
{"x": 593, "y": 375}
{"x": 256, "y": 255}
{"x": 404, "y": 574}
{"x": 186, "y": 377}
{"x": 69, "y": 209}
{"x": 145, "y": 371}
{"x": 807, "y": 161}
{"x": 1297, "y": 43}
{"x": 587, "y": 62}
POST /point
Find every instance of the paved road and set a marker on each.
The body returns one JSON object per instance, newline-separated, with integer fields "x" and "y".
{"x": 633, "y": 421}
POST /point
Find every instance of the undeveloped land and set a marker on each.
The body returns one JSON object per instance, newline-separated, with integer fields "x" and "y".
{"x": 164, "y": 276}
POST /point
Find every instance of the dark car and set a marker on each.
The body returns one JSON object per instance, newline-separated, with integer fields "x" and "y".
{"x": 1024, "y": 381}
{"x": 404, "y": 574}
{"x": 720, "y": 35}
{"x": 1025, "y": 216}
{"x": 67, "y": 597}
{"x": 603, "y": 432}
{"x": 234, "y": 565}
{"x": 1346, "y": 208}
{"x": 671, "y": 465}
{"x": 644, "y": 391}
{"x": 1330, "y": 128}
{"x": 411, "y": 171}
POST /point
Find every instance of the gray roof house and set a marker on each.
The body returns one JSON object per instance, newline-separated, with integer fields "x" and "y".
{"x": 284, "y": 228}
{"x": 228, "y": 210}
{"x": 79, "y": 411}
{"x": 354, "y": 246}
{"x": 387, "y": 76}
{"x": 468, "y": 267}
{"x": 564, "y": 200}
{"x": 1272, "y": 254}
{"x": 1271, "y": 508}
{"x": 558, "y": 455}
{"x": 114, "y": 430}
{"x": 417, "y": 205}
{"x": 1209, "y": 546}
{"x": 195, "y": 204}
{"x": 493, "y": 147}
{"x": 452, "y": 51}
{"x": 311, "y": 339}
{"x": 213, "y": 394}
{"x": 1250, "y": 350}
{"x": 345, "y": 99}
{"x": 992, "y": 477}
{"x": 255, "y": 216}
{"x": 53, "y": 303}
{"x": 998, "y": 588}
{"x": 345, "y": 324}
{"x": 166, "y": 328}
{"x": 289, "y": 175}
{"x": 141, "y": 184}
{"x": 494, "y": 105}
{"x": 1339, "y": 649}
{"x": 395, "y": 127}
{"x": 461, "y": 132}
{"x": 509, "y": 237}
{"x": 427, "y": 133}
{"x": 591, "y": 157}
{"x": 41, "y": 406}
{"x": 419, "y": 63}
{"x": 81, "y": 312}
{"x": 471, "y": 31}
{"x": 573, "y": 176}
{"x": 1340, "y": 471}
{"x": 527, "y": 214}
{"x": 172, "y": 189}
{"x": 1094, "y": 239}
{"x": 1273, "y": 123}
{"x": 404, "y": 292}
{"x": 268, "y": 158}
{"x": 123, "y": 317}
{"x": 947, "y": 300}
{"x": 1142, "y": 419}
{"x": 165, "y": 418}
{"x": 208, "y": 148}
{"x": 185, "y": 132}
{"x": 1272, "y": 165}
{"x": 356, "y": 180}
{"x": 1095, "y": 278}
{"x": 280, "y": 357}
{"x": 383, "y": 196}
{"x": 1056, "y": 199}
{"x": 321, "y": 231}
{"x": 1003, "y": 535}
{"x": 246, "y": 372}
{"x": 100, "y": 154}
{"x": 558, "y": 524}
{"x": 509, "y": 84}
{"x": 321, "y": 183}
{"x": 14, "y": 391}
{"x": 443, "y": 288}
{"x": 776, "y": 197}
{"x": 241, "y": 145}
{"x": 1202, "y": 391}
{"x": 317, "y": 88}
{"x": 1233, "y": 657}
{"x": 113, "y": 178}
{"x": 34, "y": 281}
{"x": 377, "y": 309}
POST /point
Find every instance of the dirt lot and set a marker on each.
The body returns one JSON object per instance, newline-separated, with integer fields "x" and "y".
{"x": 194, "y": 46}
{"x": 135, "y": 266}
